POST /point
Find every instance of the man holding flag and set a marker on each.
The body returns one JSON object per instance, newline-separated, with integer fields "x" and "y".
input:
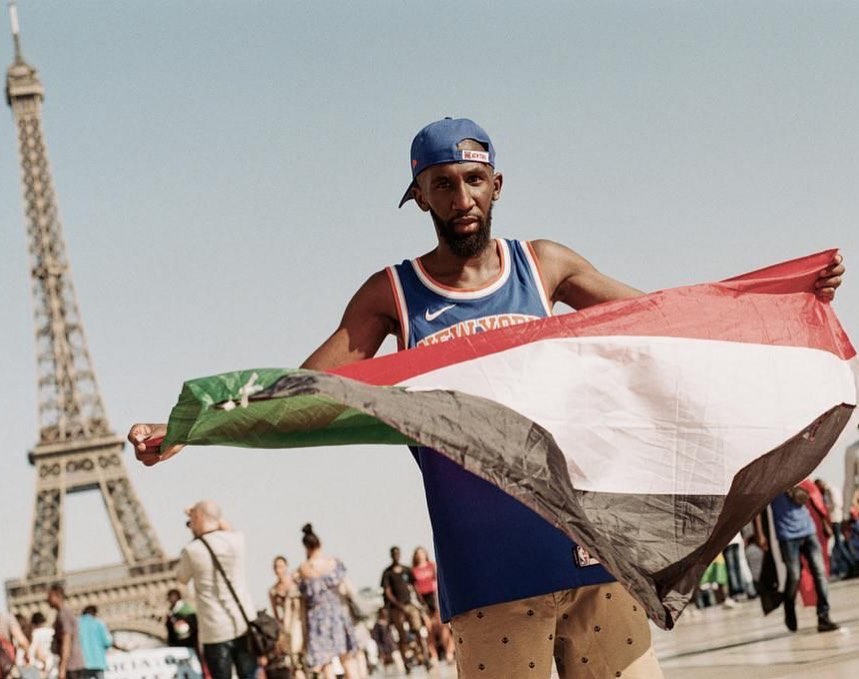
{"x": 516, "y": 590}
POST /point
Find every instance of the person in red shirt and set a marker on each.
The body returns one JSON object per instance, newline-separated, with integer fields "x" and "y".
{"x": 424, "y": 574}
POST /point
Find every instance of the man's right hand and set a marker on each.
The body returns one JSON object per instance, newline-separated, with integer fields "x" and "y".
{"x": 146, "y": 439}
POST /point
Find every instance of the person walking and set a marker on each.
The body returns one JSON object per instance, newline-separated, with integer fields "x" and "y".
{"x": 95, "y": 640}
{"x": 66, "y": 643}
{"x": 797, "y": 536}
{"x": 181, "y": 622}
{"x": 40, "y": 661}
{"x": 399, "y": 594}
{"x": 285, "y": 600}
{"x": 330, "y": 633}
{"x": 221, "y": 628}
{"x": 426, "y": 586}
{"x": 12, "y": 639}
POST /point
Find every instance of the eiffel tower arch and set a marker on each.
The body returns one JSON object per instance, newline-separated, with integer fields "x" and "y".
{"x": 76, "y": 450}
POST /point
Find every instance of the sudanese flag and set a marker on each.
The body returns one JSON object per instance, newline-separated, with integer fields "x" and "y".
{"x": 649, "y": 430}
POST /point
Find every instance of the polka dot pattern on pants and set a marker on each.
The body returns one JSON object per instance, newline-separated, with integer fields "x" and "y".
{"x": 595, "y": 632}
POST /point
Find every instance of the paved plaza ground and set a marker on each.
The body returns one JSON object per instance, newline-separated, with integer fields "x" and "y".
{"x": 741, "y": 642}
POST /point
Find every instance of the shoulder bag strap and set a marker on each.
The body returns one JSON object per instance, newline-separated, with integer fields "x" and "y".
{"x": 226, "y": 579}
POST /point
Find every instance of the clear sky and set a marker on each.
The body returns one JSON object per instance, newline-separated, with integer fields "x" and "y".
{"x": 228, "y": 174}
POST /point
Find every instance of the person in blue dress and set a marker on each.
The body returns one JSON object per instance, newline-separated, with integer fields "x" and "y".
{"x": 330, "y": 633}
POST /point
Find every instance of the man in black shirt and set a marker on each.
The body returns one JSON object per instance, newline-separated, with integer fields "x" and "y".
{"x": 397, "y": 583}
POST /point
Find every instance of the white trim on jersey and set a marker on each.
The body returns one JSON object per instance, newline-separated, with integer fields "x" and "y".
{"x": 400, "y": 299}
{"x": 450, "y": 293}
{"x": 538, "y": 279}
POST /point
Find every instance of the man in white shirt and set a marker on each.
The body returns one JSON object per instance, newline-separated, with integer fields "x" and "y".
{"x": 222, "y": 629}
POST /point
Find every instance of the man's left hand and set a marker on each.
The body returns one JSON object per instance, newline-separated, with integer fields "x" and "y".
{"x": 829, "y": 279}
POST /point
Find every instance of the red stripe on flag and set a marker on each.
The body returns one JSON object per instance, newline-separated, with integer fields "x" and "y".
{"x": 775, "y": 306}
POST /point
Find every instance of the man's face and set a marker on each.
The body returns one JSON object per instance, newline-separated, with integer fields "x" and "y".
{"x": 395, "y": 555}
{"x": 172, "y": 598}
{"x": 459, "y": 198}
{"x": 54, "y": 600}
{"x": 195, "y": 520}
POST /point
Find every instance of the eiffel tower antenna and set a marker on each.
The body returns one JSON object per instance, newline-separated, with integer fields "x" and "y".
{"x": 76, "y": 450}
{"x": 16, "y": 30}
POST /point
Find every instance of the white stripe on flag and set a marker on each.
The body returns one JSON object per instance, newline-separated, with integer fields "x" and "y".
{"x": 657, "y": 415}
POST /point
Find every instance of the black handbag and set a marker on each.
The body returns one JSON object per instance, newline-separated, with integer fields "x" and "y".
{"x": 264, "y": 630}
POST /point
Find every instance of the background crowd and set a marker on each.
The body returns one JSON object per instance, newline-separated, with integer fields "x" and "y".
{"x": 805, "y": 538}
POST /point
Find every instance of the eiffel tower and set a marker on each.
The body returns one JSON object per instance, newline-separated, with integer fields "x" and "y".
{"x": 77, "y": 451}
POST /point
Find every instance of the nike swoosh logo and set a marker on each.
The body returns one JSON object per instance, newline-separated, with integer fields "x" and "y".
{"x": 435, "y": 314}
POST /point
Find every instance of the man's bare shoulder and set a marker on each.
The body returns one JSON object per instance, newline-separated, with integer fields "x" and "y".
{"x": 549, "y": 251}
{"x": 370, "y": 316}
{"x": 558, "y": 262}
{"x": 572, "y": 279}
{"x": 376, "y": 295}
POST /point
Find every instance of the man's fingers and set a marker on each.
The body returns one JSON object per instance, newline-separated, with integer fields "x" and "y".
{"x": 831, "y": 282}
{"x": 138, "y": 433}
{"x": 835, "y": 268}
{"x": 149, "y": 458}
{"x": 146, "y": 439}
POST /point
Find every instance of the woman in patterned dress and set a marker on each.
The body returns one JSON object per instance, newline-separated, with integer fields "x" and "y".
{"x": 287, "y": 607}
{"x": 330, "y": 633}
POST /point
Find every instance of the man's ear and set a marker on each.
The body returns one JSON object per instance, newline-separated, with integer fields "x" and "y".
{"x": 497, "y": 180}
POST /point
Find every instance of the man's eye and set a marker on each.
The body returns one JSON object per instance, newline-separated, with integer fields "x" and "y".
{"x": 475, "y": 179}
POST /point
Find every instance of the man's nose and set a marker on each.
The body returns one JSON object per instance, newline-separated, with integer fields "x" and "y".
{"x": 462, "y": 198}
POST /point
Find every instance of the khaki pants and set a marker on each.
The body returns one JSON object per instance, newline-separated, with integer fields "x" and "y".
{"x": 592, "y": 632}
{"x": 399, "y": 617}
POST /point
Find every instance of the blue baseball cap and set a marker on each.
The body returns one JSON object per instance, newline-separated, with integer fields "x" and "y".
{"x": 436, "y": 145}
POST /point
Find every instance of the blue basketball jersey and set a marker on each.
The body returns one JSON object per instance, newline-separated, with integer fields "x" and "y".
{"x": 490, "y": 548}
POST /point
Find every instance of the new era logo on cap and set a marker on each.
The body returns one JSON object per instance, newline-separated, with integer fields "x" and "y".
{"x": 437, "y": 144}
{"x": 477, "y": 156}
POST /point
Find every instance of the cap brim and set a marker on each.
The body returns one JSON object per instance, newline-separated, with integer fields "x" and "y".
{"x": 407, "y": 196}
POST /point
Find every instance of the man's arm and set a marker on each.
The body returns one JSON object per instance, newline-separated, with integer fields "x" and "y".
{"x": 391, "y": 599}
{"x": 760, "y": 537}
{"x": 573, "y": 280}
{"x": 18, "y": 635}
{"x": 387, "y": 592}
{"x": 369, "y": 318}
{"x": 65, "y": 653}
{"x": 106, "y": 636}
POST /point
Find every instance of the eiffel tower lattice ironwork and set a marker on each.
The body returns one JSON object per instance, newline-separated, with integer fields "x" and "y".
{"x": 77, "y": 450}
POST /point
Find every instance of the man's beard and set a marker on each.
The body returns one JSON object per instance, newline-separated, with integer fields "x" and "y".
{"x": 469, "y": 245}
